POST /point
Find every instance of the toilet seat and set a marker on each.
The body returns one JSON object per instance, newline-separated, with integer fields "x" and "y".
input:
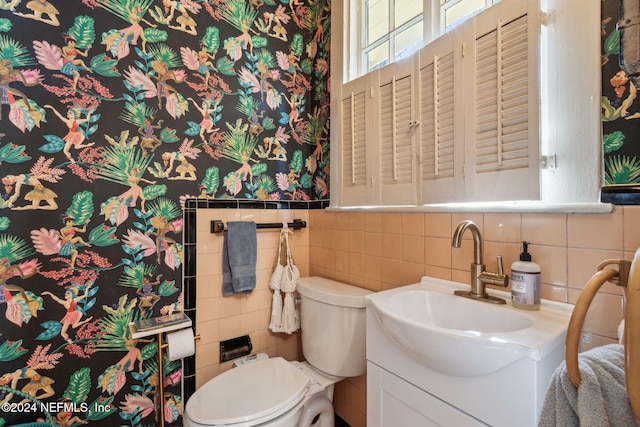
{"x": 251, "y": 394}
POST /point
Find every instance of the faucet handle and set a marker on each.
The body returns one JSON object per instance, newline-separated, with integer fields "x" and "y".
{"x": 500, "y": 266}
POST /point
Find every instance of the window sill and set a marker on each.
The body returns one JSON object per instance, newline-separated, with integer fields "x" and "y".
{"x": 523, "y": 206}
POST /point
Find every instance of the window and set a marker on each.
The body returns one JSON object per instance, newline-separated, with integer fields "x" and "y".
{"x": 391, "y": 30}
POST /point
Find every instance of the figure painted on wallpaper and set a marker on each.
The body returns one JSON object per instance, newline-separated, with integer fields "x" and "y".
{"x": 201, "y": 61}
{"x": 162, "y": 226}
{"x": 185, "y": 170}
{"x": 163, "y": 74}
{"x": 75, "y": 137}
{"x": 69, "y": 242}
{"x": 184, "y": 22}
{"x": 73, "y": 316}
{"x": 239, "y": 146}
{"x": 206, "y": 124}
{"x": 240, "y": 15}
{"x": 70, "y": 61}
{"x": 116, "y": 208}
{"x": 149, "y": 140}
{"x": 147, "y": 298}
{"x": 117, "y": 41}
{"x": 276, "y": 19}
{"x": 37, "y": 383}
{"x": 21, "y": 306}
{"x": 9, "y": 5}
{"x": 43, "y": 11}
{"x": 36, "y": 196}
{"x": 613, "y": 110}
{"x": 23, "y": 113}
{"x": 68, "y": 418}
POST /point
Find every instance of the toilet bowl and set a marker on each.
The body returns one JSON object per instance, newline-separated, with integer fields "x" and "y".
{"x": 278, "y": 393}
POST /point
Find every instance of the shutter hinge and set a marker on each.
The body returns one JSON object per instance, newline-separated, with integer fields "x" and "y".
{"x": 548, "y": 162}
{"x": 546, "y": 18}
{"x": 464, "y": 49}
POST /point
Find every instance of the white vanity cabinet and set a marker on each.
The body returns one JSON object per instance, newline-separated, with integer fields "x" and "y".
{"x": 394, "y": 401}
{"x": 450, "y": 378}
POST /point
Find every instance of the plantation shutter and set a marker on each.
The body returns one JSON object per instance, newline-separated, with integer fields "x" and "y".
{"x": 354, "y": 163}
{"x": 502, "y": 98}
{"x": 502, "y": 162}
{"x": 395, "y": 131}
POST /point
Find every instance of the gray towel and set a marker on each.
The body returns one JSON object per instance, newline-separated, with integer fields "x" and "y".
{"x": 239, "y": 254}
{"x": 601, "y": 399}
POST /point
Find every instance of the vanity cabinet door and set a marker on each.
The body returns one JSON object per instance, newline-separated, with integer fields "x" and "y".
{"x": 391, "y": 401}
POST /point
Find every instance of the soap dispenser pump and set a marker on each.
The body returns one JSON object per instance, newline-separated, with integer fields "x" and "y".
{"x": 525, "y": 281}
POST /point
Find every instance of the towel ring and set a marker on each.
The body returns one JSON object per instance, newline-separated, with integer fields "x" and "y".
{"x": 627, "y": 275}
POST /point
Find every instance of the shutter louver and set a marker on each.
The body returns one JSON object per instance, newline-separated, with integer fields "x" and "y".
{"x": 395, "y": 131}
{"x": 502, "y": 98}
{"x": 437, "y": 118}
{"x": 353, "y": 140}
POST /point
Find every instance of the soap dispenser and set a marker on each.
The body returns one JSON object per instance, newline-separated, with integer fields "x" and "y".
{"x": 525, "y": 281}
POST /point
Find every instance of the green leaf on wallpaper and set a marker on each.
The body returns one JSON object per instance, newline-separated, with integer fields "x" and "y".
{"x": 11, "y": 153}
{"x": 150, "y": 192}
{"x": 52, "y": 329}
{"x": 5, "y": 25}
{"x": 612, "y": 43}
{"x": 14, "y": 51}
{"x": 225, "y": 66}
{"x": 167, "y": 288}
{"x": 4, "y": 223}
{"x": 55, "y": 145}
{"x": 103, "y": 66}
{"x": 306, "y": 66}
{"x": 154, "y": 35}
{"x": 211, "y": 180}
{"x": 97, "y": 409}
{"x": 83, "y": 31}
{"x": 194, "y": 129}
{"x": 81, "y": 208}
{"x": 621, "y": 170}
{"x": 103, "y": 236}
{"x": 149, "y": 351}
{"x": 306, "y": 181}
{"x": 11, "y": 350}
{"x": 211, "y": 39}
{"x": 258, "y": 169}
{"x": 297, "y": 44}
{"x": 296, "y": 161}
{"x": 168, "y": 135}
{"x": 79, "y": 386}
{"x": 268, "y": 124}
{"x": 259, "y": 41}
{"x": 613, "y": 141}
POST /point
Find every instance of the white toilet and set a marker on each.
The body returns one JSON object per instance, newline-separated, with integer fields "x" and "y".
{"x": 277, "y": 393}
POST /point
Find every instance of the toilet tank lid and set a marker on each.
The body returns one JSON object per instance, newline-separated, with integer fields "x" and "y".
{"x": 332, "y": 292}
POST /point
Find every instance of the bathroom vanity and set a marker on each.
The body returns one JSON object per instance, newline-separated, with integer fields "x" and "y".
{"x": 438, "y": 359}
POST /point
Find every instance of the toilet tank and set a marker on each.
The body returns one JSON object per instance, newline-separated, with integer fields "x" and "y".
{"x": 332, "y": 323}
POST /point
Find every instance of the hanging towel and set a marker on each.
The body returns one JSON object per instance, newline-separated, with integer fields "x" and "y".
{"x": 601, "y": 399}
{"x": 239, "y": 254}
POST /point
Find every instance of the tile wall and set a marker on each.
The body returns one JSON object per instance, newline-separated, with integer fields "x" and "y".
{"x": 380, "y": 251}
{"x": 384, "y": 250}
{"x": 220, "y": 318}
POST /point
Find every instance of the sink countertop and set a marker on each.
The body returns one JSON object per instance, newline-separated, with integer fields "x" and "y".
{"x": 539, "y": 330}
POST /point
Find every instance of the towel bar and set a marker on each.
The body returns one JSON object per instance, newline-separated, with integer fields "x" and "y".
{"x": 627, "y": 275}
{"x": 218, "y": 226}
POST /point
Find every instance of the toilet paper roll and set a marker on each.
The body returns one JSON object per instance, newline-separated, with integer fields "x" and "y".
{"x": 180, "y": 344}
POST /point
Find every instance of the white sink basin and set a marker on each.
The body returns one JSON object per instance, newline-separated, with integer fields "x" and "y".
{"x": 462, "y": 337}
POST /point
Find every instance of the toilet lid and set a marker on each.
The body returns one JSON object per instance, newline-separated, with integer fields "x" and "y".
{"x": 263, "y": 389}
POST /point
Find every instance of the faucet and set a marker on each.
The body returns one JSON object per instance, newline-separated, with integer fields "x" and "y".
{"x": 479, "y": 277}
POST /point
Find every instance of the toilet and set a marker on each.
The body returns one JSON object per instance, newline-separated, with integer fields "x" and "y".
{"x": 277, "y": 393}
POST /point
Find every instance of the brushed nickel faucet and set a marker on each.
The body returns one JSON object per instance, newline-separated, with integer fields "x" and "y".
{"x": 479, "y": 277}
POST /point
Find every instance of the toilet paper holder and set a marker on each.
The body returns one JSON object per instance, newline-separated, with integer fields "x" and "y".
{"x": 159, "y": 326}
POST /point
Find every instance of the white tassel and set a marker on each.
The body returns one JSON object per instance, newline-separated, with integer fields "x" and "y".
{"x": 276, "y": 303}
{"x": 289, "y": 285}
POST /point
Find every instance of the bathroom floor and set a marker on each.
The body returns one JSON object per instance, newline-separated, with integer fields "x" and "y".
{"x": 339, "y": 422}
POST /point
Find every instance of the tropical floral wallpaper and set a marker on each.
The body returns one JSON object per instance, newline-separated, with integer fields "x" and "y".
{"x": 112, "y": 113}
{"x": 620, "y": 106}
